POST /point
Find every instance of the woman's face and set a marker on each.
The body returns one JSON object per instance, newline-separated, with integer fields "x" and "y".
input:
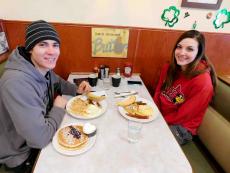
{"x": 45, "y": 54}
{"x": 186, "y": 52}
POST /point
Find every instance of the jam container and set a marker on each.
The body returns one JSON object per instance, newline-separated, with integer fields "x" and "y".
{"x": 128, "y": 69}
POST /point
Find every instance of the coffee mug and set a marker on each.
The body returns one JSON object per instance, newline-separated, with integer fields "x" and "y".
{"x": 92, "y": 80}
{"x": 116, "y": 80}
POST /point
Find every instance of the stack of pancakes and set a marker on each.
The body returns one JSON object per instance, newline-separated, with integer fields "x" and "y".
{"x": 72, "y": 137}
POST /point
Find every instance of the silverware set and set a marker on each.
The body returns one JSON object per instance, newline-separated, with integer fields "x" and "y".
{"x": 125, "y": 93}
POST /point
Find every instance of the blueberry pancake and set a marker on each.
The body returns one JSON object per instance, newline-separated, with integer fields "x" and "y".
{"x": 72, "y": 137}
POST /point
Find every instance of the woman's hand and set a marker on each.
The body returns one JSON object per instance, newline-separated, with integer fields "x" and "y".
{"x": 84, "y": 87}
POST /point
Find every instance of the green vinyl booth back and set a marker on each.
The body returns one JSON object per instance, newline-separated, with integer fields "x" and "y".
{"x": 2, "y": 65}
{"x": 214, "y": 131}
{"x": 213, "y": 136}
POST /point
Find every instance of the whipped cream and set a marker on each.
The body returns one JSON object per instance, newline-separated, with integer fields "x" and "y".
{"x": 89, "y": 128}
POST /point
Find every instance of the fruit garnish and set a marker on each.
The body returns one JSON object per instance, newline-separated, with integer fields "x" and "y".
{"x": 75, "y": 132}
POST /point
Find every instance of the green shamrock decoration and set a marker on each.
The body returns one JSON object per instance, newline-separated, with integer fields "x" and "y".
{"x": 170, "y": 16}
{"x": 222, "y": 17}
{"x": 194, "y": 25}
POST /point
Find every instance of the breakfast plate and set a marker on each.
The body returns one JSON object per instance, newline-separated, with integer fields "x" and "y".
{"x": 150, "y": 105}
{"x": 80, "y": 107}
{"x": 70, "y": 151}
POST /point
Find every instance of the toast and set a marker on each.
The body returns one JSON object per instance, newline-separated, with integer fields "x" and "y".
{"x": 138, "y": 116}
{"x": 130, "y": 100}
{"x": 139, "y": 111}
{"x": 94, "y": 97}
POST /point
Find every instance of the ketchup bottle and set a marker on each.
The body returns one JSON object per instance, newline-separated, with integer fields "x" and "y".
{"x": 128, "y": 69}
{"x": 96, "y": 70}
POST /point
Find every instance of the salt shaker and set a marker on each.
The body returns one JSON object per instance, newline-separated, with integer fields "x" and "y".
{"x": 118, "y": 71}
{"x": 106, "y": 72}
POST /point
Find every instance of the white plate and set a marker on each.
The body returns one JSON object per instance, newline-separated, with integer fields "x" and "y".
{"x": 103, "y": 104}
{"x": 62, "y": 150}
{"x": 123, "y": 112}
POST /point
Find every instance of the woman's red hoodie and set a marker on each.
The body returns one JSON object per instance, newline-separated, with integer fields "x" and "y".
{"x": 186, "y": 101}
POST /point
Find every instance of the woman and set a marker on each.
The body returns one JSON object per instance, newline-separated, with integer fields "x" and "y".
{"x": 30, "y": 112}
{"x": 186, "y": 86}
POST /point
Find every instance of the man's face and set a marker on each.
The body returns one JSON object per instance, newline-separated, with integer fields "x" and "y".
{"x": 45, "y": 54}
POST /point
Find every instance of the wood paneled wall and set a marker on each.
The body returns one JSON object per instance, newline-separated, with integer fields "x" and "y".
{"x": 148, "y": 49}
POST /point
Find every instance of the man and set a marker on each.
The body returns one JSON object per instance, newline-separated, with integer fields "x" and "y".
{"x": 30, "y": 114}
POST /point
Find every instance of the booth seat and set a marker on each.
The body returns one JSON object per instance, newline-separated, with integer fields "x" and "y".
{"x": 2, "y": 64}
{"x": 210, "y": 151}
{"x": 3, "y": 60}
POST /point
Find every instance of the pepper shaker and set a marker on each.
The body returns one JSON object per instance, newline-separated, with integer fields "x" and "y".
{"x": 101, "y": 74}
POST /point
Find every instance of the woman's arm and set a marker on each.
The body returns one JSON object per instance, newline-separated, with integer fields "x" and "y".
{"x": 157, "y": 92}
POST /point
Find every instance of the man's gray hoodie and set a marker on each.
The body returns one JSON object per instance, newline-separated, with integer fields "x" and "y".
{"x": 25, "y": 122}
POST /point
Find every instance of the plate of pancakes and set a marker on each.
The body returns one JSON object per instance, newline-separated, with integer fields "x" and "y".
{"x": 87, "y": 106}
{"x": 137, "y": 109}
{"x": 71, "y": 140}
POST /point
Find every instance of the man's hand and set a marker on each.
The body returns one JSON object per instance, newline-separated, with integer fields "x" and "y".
{"x": 60, "y": 102}
{"x": 84, "y": 87}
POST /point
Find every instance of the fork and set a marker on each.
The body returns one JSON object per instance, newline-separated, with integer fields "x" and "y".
{"x": 128, "y": 94}
{"x": 122, "y": 92}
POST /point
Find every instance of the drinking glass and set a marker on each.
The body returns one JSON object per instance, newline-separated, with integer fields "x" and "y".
{"x": 134, "y": 131}
{"x": 106, "y": 83}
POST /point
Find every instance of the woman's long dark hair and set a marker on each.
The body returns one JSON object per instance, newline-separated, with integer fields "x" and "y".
{"x": 191, "y": 70}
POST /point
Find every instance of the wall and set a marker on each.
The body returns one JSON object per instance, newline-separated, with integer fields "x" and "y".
{"x": 148, "y": 49}
{"x": 135, "y": 13}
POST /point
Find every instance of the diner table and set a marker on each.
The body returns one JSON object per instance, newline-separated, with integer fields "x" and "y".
{"x": 157, "y": 151}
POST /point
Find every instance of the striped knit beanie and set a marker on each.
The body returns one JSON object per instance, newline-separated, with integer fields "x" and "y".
{"x": 38, "y": 31}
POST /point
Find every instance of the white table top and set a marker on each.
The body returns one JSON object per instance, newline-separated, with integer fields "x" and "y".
{"x": 157, "y": 151}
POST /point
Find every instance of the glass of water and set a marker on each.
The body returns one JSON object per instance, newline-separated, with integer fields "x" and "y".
{"x": 106, "y": 83}
{"x": 134, "y": 131}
